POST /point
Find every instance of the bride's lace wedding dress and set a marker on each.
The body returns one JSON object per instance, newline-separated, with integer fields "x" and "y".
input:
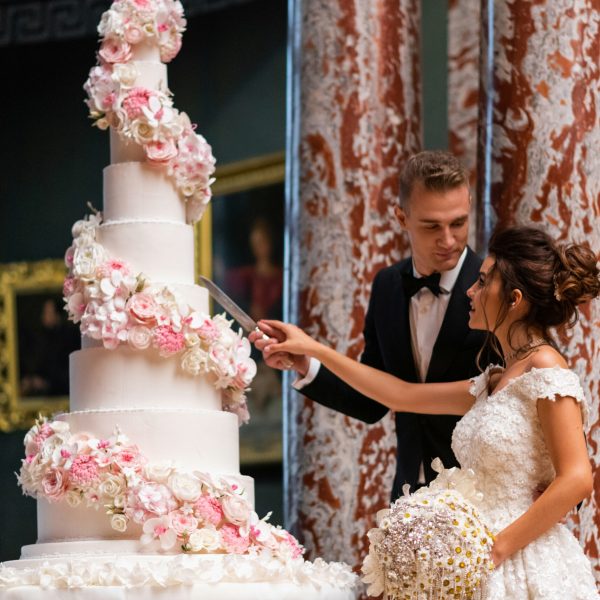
{"x": 501, "y": 439}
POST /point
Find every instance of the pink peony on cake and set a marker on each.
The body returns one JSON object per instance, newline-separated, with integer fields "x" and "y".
{"x": 139, "y": 487}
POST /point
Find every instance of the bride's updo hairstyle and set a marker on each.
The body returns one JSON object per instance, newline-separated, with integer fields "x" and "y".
{"x": 553, "y": 278}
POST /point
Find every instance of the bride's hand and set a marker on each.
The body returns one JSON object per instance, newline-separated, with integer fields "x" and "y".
{"x": 295, "y": 342}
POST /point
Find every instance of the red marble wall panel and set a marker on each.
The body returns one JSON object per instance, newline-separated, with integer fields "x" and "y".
{"x": 545, "y": 140}
{"x": 360, "y": 116}
{"x": 464, "y": 29}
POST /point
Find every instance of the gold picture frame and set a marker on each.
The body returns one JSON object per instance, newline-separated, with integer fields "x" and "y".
{"x": 231, "y": 178}
{"x": 260, "y": 440}
{"x": 18, "y": 280}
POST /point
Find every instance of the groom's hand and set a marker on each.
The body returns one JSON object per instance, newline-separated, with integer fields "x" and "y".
{"x": 278, "y": 360}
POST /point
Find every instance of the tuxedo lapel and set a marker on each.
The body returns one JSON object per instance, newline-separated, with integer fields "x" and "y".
{"x": 455, "y": 326}
{"x": 397, "y": 327}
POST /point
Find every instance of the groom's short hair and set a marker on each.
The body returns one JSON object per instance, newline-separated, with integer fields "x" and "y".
{"x": 436, "y": 170}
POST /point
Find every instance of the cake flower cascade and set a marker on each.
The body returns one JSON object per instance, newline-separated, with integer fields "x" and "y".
{"x": 116, "y": 306}
{"x": 184, "y": 511}
{"x": 146, "y": 116}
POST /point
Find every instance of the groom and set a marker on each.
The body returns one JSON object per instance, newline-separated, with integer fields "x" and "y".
{"x": 416, "y": 325}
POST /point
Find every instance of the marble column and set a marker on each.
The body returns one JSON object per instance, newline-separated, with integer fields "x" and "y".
{"x": 539, "y": 159}
{"x": 355, "y": 115}
{"x": 463, "y": 90}
{"x": 463, "y": 80}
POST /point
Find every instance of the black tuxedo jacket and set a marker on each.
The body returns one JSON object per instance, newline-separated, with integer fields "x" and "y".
{"x": 421, "y": 438}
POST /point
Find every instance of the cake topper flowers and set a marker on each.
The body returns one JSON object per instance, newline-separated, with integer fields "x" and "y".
{"x": 117, "y": 306}
{"x": 146, "y": 116}
{"x": 129, "y": 22}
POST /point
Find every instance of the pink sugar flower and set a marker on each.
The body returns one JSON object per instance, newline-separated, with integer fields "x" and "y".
{"x": 143, "y": 308}
{"x": 106, "y": 269}
{"x": 232, "y": 541}
{"x": 181, "y": 523}
{"x": 129, "y": 458}
{"x": 157, "y": 532}
{"x": 135, "y": 101}
{"x": 115, "y": 50}
{"x": 209, "y": 510}
{"x": 84, "y": 470}
{"x": 167, "y": 340}
{"x": 161, "y": 152}
{"x": 54, "y": 484}
{"x": 292, "y": 543}
{"x": 155, "y": 498}
{"x": 69, "y": 286}
{"x": 209, "y": 331}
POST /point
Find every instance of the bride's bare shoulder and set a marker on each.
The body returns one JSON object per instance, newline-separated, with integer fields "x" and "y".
{"x": 546, "y": 357}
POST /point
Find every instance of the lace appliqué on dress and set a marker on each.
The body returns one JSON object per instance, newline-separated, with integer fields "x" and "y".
{"x": 550, "y": 383}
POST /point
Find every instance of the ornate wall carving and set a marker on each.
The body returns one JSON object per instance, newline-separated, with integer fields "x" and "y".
{"x": 357, "y": 101}
{"x": 28, "y": 22}
{"x": 544, "y": 95}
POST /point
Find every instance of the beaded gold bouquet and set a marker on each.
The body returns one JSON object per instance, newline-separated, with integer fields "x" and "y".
{"x": 432, "y": 544}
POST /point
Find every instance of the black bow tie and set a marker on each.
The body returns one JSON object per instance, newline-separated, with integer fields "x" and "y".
{"x": 413, "y": 284}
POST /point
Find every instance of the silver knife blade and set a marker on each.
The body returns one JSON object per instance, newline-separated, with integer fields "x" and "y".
{"x": 243, "y": 318}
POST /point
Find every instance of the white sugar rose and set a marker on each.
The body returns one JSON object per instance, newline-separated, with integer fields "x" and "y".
{"x": 141, "y": 132}
{"x": 194, "y": 361}
{"x": 87, "y": 259}
{"x": 207, "y": 539}
{"x": 73, "y": 498}
{"x": 119, "y": 523}
{"x": 125, "y": 73}
{"x": 139, "y": 337}
{"x": 159, "y": 472}
{"x": 111, "y": 486}
{"x": 236, "y": 509}
{"x": 185, "y": 486}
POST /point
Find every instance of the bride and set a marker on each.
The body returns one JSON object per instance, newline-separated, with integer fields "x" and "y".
{"x": 523, "y": 425}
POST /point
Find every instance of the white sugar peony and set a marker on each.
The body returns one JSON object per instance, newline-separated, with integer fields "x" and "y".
{"x": 185, "y": 486}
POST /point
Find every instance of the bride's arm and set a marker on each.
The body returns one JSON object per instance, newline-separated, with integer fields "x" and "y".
{"x": 563, "y": 433}
{"x": 450, "y": 398}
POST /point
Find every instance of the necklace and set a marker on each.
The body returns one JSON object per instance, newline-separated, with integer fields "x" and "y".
{"x": 535, "y": 343}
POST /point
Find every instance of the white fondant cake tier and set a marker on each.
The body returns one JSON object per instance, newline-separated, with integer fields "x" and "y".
{"x": 163, "y": 251}
{"x": 128, "y": 378}
{"x": 65, "y": 530}
{"x": 135, "y": 190}
{"x": 150, "y": 577}
{"x": 196, "y": 440}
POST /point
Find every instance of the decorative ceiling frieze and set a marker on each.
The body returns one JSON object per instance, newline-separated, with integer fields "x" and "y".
{"x": 38, "y": 21}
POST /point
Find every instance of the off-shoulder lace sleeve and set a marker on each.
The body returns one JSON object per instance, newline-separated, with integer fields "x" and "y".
{"x": 480, "y": 383}
{"x": 552, "y": 382}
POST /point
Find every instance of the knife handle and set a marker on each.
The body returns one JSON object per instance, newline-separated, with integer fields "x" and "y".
{"x": 290, "y": 360}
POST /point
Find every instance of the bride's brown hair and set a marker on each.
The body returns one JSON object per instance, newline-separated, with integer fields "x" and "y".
{"x": 553, "y": 278}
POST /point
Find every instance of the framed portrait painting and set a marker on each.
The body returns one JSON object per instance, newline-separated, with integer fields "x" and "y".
{"x": 36, "y": 340}
{"x": 240, "y": 247}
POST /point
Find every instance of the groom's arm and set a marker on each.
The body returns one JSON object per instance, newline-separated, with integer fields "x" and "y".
{"x": 329, "y": 390}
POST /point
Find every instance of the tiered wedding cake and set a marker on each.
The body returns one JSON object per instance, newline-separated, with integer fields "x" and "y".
{"x": 139, "y": 486}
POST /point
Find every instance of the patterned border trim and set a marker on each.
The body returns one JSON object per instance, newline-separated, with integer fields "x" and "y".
{"x": 23, "y": 22}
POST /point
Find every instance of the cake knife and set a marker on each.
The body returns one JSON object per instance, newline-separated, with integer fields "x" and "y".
{"x": 243, "y": 318}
